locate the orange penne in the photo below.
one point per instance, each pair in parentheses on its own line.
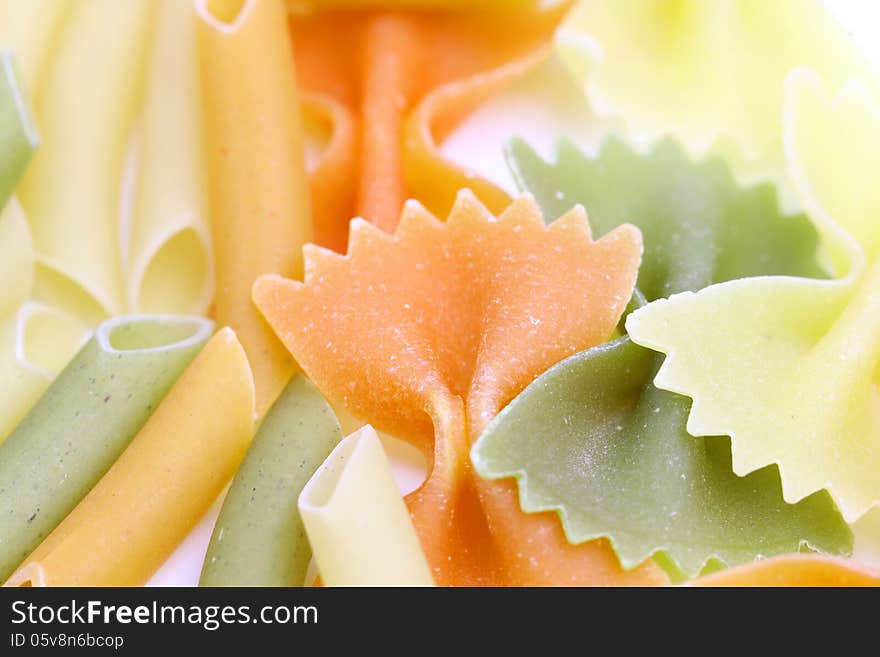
(258,188)
(392,83)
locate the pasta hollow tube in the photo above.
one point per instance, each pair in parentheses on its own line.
(259,539)
(85,420)
(258,187)
(29,29)
(18,133)
(169,264)
(184,455)
(71,191)
(356,520)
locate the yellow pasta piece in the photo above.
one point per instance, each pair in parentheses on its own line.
(183,457)
(258,186)
(36,341)
(71,192)
(360,530)
(169,268)
(29,28)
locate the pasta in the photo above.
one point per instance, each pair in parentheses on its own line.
(258,189)
(30,29)
(85,420)
(185,453)
(169,260)
(650,487)
(356,521)
(714,73)
(417,331)
(259,539)
(18,134)
(794,570)
(71,192)
(413,77)
(798,354)
(35,341)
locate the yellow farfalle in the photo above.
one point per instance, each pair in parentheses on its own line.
(787,366)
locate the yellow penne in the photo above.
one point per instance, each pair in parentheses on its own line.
(258,188)
(36,341)
(182,458)
(169,265)
(71,192)
(29,28)
(360,530)
(16,258)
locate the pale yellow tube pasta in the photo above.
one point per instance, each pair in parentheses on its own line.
(71,192)
(169,267)
(16,258)
(163,483)
(28,28)
(360,530)
(36,341)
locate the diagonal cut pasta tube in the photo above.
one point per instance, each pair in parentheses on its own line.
(185,454)
(18,134)
(258,191)
(29,28)
(169,268)
(357,523)
(85,420)
(259,538)
(86,112)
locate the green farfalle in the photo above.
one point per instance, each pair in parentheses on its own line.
(592,438)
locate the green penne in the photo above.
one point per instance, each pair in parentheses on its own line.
(259,538)
(18,135)
(85,420)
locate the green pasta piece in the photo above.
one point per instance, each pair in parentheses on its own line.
(85,420)
(592,438)
(18,134)
(259,539)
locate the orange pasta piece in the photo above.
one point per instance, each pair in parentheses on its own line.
(794,570)
(259,191)
(427,334)
(391,83)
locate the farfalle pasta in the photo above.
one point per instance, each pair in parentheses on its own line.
(247,247)
(429,344)
(797,353)
(391,83)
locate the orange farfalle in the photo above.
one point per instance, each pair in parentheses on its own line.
(427,334)
(391,83)
(795,570)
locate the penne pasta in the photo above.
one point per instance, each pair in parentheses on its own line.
(259,539)
(29,28)
(169,263)
(18,134)
(258,190)
(84,421)
(71,192)
(185,454)
(36,342)
(357,523)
